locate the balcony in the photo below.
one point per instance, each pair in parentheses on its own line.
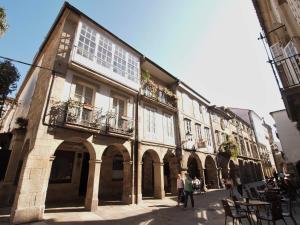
(158,94)
(289,73)
(78,115)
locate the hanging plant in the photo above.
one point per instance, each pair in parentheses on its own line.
(229,148)
(145,76)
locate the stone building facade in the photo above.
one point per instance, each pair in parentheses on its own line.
(279,20)
(105,123)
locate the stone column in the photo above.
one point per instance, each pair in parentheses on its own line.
(15,156)
(203,178)
(159,191)
(29,203)
(127,183)
(139,183)
(91,198)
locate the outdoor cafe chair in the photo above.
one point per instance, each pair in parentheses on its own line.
(274,215)
(254,193)
(236,216)
(287,203)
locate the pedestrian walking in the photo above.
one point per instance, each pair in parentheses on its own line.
(180,186)
(188,190)
(239,185)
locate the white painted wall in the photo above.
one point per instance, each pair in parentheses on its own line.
(288,134)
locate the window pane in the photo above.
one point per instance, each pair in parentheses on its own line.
(104,53)
(119,61)
(62,167)
(88,97)
(78,92)
(132,68)
(86,44)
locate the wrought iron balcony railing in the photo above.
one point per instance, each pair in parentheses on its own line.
(87,116)
(158,95)
(289,70)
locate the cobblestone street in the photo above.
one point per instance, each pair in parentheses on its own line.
(208,210)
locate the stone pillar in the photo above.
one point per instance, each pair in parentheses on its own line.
(220,177)
(173,176)
(91,198)
(127,183)
(139,182)
(29,203)
(159,191)
(204,181)
(17,144)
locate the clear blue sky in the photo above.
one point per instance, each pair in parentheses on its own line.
(210,44)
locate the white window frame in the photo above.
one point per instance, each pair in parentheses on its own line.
(169,125)
(118,117)
(150,125)
(84,41)
(187,128)
(198,128)
(123,62)
(207,136)
(84,85)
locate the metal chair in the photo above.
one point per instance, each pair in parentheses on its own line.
(238,216)
(288,213)
(274,214)
(254,193)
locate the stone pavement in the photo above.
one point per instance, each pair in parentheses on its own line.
(208,210)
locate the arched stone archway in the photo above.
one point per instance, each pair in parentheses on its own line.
(170,173)
(68,181)
(211,173)
(36,172)
(152,175)
(194,167)
(115,176)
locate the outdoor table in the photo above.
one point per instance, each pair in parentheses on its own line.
(252,203)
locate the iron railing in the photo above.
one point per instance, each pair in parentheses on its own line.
(88,116)
(158,95)
(288,70)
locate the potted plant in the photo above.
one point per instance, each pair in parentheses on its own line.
(22,123)
(88,106)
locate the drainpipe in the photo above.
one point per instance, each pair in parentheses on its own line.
(135,155)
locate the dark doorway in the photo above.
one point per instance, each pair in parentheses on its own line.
(147,176)
(4,153)
(4,158)
(84,174)
(193,169)
(167,177)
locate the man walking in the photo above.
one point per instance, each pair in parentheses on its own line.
(188,190)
